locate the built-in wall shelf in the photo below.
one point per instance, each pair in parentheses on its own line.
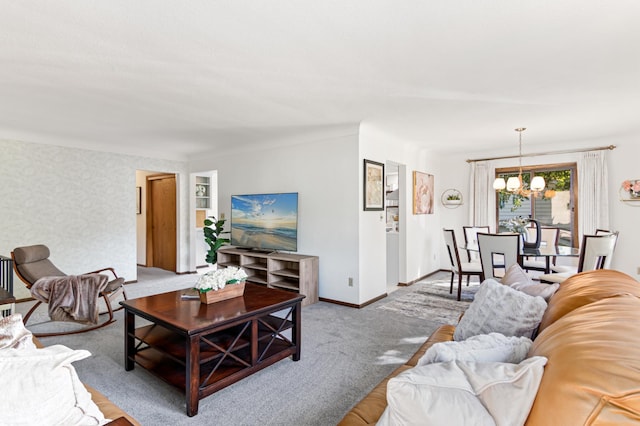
(203,192)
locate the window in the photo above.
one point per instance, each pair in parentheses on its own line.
(553,206)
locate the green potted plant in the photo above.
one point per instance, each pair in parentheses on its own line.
(454,198)
(213,231)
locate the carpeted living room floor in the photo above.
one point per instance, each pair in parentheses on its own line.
(345,353)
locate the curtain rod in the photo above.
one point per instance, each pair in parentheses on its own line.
(569,151)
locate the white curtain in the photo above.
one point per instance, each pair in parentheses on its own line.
(593,193)
(482,198)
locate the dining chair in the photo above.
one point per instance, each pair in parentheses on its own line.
(497,253)
(596,252)
(603,232)
(549,235)
(574,268)
(461,269)
(471,240)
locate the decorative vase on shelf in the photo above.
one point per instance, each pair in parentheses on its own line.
(227,292)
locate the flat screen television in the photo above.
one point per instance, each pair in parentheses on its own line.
(265,221)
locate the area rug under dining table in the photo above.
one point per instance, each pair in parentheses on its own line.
(430,299)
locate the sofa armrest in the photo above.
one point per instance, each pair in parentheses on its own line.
(371,407)
(108,408)
(120,421)
(444,333)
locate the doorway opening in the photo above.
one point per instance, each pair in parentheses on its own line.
(156,223)
(395,211)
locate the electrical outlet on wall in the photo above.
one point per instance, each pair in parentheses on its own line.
(222,215)
(350,282)
(638,271)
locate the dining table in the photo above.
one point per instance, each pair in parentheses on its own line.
(548,252)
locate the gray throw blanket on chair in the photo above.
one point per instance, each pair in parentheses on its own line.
(71,297)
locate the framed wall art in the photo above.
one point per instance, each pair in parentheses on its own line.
(422,193)
(373,185)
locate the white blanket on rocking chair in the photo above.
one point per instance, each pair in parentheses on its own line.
(71,297)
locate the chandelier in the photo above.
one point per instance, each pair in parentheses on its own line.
(514,184)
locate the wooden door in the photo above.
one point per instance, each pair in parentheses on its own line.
(161,222)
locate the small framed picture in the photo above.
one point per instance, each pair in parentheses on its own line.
(373,185)
(138,200)
(422,193)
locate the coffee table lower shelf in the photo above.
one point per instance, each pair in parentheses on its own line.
(213,376)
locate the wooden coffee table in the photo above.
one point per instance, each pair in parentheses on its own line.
(201,348)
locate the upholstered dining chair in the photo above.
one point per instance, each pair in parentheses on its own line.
(596,252)
(497,253)
(471,240)
(573,269)
(549,235)
(32,263)
(459,268)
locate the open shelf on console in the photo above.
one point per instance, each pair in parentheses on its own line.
(293,272)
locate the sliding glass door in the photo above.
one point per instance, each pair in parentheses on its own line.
(555,205)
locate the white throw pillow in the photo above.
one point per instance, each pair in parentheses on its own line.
(40,386)
(499,308)
(517,278)
(462,393)
(516,275)
(543,290)
(492,347)
(13,334)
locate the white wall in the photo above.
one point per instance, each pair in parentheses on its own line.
(80,203)
(322,167)
(419,234)
(621,164)
(141,219)
(624,217)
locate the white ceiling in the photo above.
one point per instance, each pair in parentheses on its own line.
(172,79)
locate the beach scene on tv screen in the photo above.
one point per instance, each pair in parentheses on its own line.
(265,221)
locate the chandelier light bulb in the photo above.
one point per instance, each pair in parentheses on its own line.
(513,184)
(537,183)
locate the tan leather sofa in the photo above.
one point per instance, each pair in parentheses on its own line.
(590,334)
(108,408)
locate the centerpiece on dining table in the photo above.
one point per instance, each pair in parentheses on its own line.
(221,284)
(520,225)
